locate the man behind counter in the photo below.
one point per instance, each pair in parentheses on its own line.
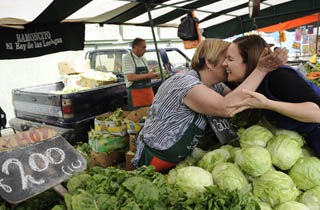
(138,76)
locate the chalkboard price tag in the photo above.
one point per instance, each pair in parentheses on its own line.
(223,129)
(32,169)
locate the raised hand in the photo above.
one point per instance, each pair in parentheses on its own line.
(270,61)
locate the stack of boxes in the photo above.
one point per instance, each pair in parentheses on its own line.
(134,123)
(109,140)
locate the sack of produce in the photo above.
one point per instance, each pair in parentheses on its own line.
(93,79)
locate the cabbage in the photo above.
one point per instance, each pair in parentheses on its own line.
(284,151)
(275,187)
(211,159)
(240,131)
(192,179)
(254,160)
(306,173)
(227,147)
(264,206)
(255,135)
(307,152)
(311,198)
(293,134)
(231,150)
(229,177)
(172,176)
(292,205)
(197,153)
(188,161)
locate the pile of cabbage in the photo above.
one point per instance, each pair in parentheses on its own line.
(274,165)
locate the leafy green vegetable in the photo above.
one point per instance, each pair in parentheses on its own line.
(292,134)
(284,151)
(78,182)
(311,198)
(232,150)
(275,187)
(292,205)
(307,152)
(116,116)
(57,207)
(264,206)
(211,159)
(254,160)
(255,135)
(193,180)
(198,153)
(228,176)
(306,173)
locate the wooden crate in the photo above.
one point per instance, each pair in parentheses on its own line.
(105,160)
(129,166)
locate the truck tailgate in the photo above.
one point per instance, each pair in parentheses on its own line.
(41,104)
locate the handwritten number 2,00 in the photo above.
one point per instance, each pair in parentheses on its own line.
(47,159)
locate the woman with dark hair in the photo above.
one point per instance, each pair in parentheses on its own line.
(289,101)
(177,117)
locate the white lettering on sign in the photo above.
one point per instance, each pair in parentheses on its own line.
(33,164)
(70,169)
(76,167)
(221,124)
(33,36)
(5,187)
(59,151)
(26,41)
(52,155)
(24,178)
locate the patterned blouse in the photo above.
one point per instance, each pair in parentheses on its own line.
(168,117)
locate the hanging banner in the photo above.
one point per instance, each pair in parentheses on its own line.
(298,35)
(310,29)
(305,39)
(37,40)
(296,45)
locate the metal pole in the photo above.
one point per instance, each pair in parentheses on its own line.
(154,39)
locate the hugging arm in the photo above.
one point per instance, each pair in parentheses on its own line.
(298,100)
(302,111)
(206,101)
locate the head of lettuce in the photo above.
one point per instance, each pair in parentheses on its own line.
(255,135)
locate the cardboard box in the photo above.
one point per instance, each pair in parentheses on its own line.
(105,160)
(102,126)
(107,142)
(133,127)
(129,156)
(73,67)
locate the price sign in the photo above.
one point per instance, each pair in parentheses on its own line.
(222,128)
(32,169)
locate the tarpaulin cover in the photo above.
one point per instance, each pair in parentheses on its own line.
(291,24)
